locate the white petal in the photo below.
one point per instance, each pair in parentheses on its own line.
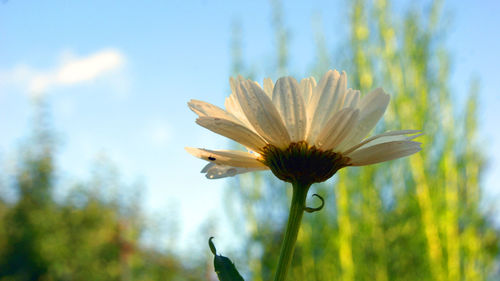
(339,95)
(233,107)
(227,157)
(206,109)
(234,131)
(327,99)
(371,109)
(383,152)
(207,167)
(351,98)
(290,104)
(306,87)
(214,171)
(262,114)
(319,92)
(234,82)
(232,104)
(268,87)
(370,140)
(384,137)
(337,128)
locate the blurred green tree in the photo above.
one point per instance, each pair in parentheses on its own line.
(90,233)
(411,219)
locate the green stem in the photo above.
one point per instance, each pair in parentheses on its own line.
(292,229)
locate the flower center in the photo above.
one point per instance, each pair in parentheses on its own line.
(303,163)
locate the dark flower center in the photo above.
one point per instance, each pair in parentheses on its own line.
(301,163)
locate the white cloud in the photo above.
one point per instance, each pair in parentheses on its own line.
(19,75)
(71,70)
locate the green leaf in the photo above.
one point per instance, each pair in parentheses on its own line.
(224,267)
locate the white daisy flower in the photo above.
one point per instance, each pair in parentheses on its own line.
(301,132)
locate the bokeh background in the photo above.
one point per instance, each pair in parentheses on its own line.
(95,183)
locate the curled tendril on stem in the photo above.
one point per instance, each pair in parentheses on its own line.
(212,246)
(312,210)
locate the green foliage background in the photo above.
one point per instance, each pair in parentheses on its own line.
(93,233)
(412,219)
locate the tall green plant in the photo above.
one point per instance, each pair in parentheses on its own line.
(414,219)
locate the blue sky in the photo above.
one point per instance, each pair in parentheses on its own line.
(138,63)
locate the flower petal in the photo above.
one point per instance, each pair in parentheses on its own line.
(234,131)
(268,87)
(371,109)
(227,157)
(262,114)
(327,99)
(385,137)
(383,152)
(290,103)
(209,110)
(306,87)
(215,171)
(351,98)
(233,107)
(337,128)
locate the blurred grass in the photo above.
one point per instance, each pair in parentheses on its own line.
(412,219)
